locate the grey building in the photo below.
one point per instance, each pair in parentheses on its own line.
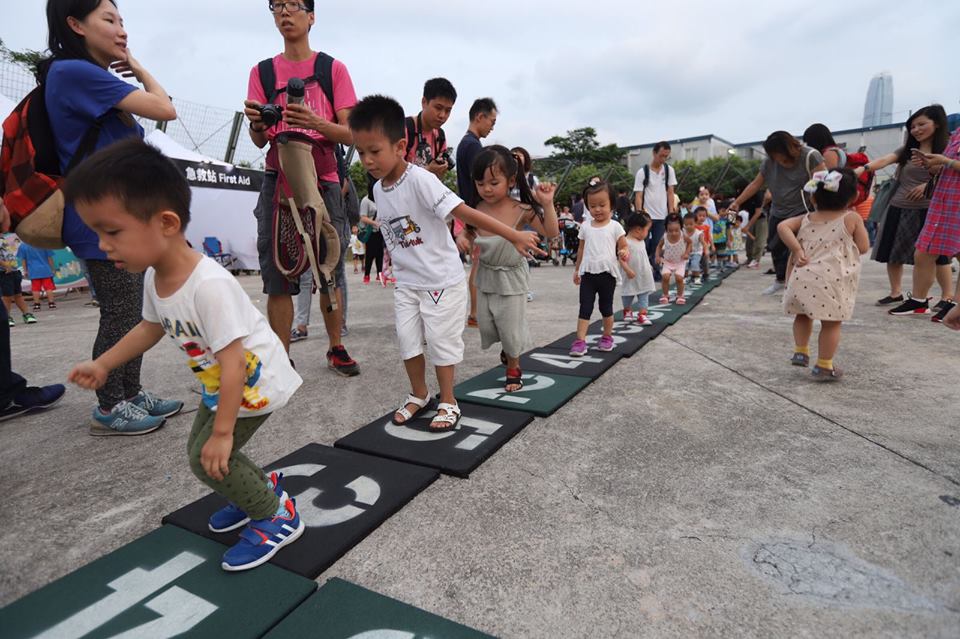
(878,109)
(697,149)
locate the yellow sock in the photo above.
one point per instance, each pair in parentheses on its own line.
(803,350)
(826,364)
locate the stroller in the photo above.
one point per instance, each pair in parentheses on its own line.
(570,232)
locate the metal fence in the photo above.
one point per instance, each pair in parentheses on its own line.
(214,132)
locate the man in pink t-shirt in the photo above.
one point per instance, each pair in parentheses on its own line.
(325,122)
(428,145)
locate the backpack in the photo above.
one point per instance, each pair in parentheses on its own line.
(854,161)
(30,167)
(646,173)
(646,179)
(322,75)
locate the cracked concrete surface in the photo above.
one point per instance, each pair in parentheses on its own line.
(625,514)
(832,574)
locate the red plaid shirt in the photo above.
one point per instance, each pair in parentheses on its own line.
(941,233)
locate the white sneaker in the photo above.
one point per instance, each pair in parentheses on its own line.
(773,289)
(697,280)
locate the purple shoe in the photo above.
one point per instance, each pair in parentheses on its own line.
(606,344)
(579,348)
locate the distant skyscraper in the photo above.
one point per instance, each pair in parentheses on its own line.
(879,106)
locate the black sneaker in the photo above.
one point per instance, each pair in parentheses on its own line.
(889,300)
(911,307)
(32,399)
(945,307)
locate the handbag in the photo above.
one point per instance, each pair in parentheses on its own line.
(881,201)
(365,233)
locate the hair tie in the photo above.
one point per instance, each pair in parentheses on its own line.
(829,180)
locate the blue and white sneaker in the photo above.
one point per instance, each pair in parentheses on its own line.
(262,538)
(231,517)
(126,418)
(156,406)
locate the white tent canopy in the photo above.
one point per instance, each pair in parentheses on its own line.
(216,212)
(175,150)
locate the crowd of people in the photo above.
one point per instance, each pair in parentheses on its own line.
(127,208)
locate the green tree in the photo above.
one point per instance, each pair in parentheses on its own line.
(723,179)
(359,176)
(28,59)
(582,147)
(581,153)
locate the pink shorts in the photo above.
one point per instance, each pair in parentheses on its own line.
(678,268)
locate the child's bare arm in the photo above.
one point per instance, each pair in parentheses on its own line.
(689,249)
(548,226)
(215,454)
(576,267)
(623,251)
(93,374)
(525,241)
(788,233)
(658,254)
(859,231)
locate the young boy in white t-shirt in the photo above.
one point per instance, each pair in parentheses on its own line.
(414,208)
(139,204)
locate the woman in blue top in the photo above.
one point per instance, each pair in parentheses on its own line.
(87,40)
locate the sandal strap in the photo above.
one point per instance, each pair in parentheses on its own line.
(452,413)
(416,401)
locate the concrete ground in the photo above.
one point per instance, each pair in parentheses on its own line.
(702,488)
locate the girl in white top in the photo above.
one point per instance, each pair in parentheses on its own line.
(636,271)
(602,245)
(673,251)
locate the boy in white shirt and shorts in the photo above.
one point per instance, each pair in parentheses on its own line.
(430,301)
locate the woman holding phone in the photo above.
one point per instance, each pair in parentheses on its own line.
(940,236)
(905,217)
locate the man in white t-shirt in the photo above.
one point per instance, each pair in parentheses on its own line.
(430,301)
(654,193)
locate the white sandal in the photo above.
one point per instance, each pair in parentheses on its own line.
(449,421)
(406,414)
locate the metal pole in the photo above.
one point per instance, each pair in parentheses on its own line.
(234,138)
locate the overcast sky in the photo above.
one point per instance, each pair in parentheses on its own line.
(635,71)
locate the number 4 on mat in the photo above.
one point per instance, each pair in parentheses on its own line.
(539,383)
(564,361)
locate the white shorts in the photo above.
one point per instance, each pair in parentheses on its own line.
(435,316)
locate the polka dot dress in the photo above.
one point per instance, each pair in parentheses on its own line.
(826,288)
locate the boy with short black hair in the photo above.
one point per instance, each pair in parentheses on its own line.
(139,205)
(430,300)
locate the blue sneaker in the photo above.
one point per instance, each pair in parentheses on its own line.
(126,418)
(262,538)
(31,399)
(155,406)
(231,517)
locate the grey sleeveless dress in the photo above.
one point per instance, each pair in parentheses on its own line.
(502,285)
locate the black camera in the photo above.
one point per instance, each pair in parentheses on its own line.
(271,114)
(447,157)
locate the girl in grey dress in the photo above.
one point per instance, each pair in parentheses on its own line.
(502,273)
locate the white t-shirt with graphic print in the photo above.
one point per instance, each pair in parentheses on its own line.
(207,314)
(413,215)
